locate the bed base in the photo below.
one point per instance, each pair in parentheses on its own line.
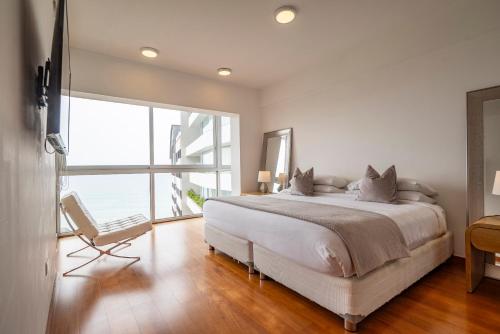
(237,248)
(350,321)
(354,298)
(351,298)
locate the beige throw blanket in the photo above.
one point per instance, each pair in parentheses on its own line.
(372,239)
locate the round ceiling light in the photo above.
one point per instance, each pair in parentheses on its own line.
(285,14)
(149,52)
(224,71)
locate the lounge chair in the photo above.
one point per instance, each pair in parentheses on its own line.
(117,232)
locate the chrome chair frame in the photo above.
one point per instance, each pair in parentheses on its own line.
(90,244)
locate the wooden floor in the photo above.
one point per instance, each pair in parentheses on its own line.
(180,287)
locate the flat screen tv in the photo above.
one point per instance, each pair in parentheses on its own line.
(54,135)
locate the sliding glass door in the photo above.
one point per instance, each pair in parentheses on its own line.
(162,162)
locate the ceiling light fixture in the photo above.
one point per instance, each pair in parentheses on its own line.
(224,71)
(285,14)
(149,52)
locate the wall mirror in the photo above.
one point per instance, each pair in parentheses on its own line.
(276,152)
(483,154)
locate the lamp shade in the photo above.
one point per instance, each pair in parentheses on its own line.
(496,184)
(283,178)
(264,176)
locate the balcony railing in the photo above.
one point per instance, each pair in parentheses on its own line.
(201,144)
(192,118)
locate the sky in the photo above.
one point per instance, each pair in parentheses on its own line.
(110,133)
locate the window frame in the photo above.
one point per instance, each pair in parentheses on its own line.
(151,169)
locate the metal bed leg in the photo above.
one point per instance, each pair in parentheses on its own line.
(351,322)
(351,326)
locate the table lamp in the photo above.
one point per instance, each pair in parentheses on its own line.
(496,184)
(264,178)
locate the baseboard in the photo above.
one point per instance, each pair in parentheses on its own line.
(50,317)
(492,271)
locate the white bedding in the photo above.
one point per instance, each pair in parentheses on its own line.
(315,246)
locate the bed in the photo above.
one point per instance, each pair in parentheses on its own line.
(314,261)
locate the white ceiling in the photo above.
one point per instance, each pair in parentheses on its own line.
(199,36)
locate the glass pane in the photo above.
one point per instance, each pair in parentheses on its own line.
(226,140)
(225,183)
(107,133)
(109,197)
(182,194)
(226,156)
(225,130)
(183,138)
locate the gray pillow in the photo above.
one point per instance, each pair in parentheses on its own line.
(378,188)
(302,183)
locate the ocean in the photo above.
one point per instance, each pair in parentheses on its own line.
(109,197)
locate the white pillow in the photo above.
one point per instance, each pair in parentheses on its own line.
(414,185)
(403,185)
(324,188)
(354,185)
(330,180)
(352,192)
(414,196)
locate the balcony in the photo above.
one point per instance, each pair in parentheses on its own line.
(203,180)
(193,117)
(201,144)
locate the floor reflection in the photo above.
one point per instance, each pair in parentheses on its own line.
(181,287)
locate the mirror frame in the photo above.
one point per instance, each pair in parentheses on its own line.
(475,150)
(278,133)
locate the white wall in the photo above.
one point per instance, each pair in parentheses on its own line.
(27,173)
(376,108)
(104,75)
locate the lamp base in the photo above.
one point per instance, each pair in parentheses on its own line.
(263,188)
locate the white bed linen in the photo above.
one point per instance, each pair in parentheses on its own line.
(313,245)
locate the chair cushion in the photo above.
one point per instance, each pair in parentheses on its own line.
(79,214)
(121,229)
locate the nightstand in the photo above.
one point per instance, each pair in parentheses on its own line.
(480,238)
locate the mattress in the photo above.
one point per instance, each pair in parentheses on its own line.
(315,246)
